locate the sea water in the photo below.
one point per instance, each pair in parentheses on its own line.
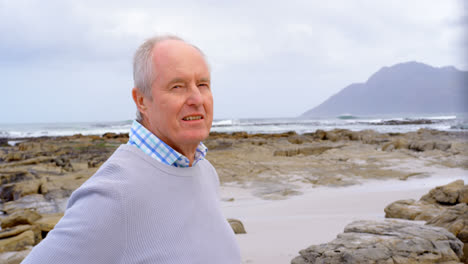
(444,122)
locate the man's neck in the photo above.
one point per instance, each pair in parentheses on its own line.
(188,151)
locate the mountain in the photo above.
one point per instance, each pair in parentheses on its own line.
(405,88)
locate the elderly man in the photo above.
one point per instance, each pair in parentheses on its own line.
(156,199)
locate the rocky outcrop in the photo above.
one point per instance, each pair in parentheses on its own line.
(19,242)
(4,142)
(444,206)
(430,205)
(306,151)
(413,210)
(236,226)
(14,257)
(20,217)
(36,202)
(455,220)
(389,241)
(450,194)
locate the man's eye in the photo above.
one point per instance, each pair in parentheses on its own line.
(176,86)
(203,85)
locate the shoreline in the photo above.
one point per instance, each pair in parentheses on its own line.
(278,229)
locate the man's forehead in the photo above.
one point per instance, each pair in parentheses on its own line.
(172,50)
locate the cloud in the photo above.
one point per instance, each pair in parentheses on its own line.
(264,54)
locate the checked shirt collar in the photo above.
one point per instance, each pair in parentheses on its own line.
(143,139)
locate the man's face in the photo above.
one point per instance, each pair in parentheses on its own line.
(181,110)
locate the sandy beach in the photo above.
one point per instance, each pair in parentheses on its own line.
(278,229)
(289,190)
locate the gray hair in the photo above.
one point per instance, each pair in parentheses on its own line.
(143,67)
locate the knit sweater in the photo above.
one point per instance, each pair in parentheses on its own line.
(138,210)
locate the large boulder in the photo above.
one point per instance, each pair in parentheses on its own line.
(48,222)
(450,194)
(36,202)
(455,220)
(13,191)
(19,242)
(14,257)
(431,204)
(389,241)
(20,217)
(13,231)
(413,210)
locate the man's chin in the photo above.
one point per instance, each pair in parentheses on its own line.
(195,138)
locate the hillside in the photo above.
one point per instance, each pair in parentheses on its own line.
(410,87)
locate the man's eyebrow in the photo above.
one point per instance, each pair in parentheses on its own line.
(176,80)
(205,80)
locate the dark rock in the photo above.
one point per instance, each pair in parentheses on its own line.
(4,142)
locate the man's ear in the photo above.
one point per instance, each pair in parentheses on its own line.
(138,98)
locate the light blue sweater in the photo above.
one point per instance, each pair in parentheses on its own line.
(138,210)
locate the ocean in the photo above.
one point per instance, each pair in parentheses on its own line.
(383,124)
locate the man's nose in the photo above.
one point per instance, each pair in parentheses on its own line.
(195,96)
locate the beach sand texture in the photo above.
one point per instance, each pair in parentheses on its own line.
(290,191)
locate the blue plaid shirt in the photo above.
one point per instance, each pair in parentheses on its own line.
(143,139)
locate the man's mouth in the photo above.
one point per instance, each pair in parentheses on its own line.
(190,118)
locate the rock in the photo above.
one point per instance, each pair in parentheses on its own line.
(237,226)
(4,142)
(404,122)
(298,139)
(14,191)
(96,162)
(32,161)
(13,231)
(412,210)
(64,163)
(54,188)
(37,202)
(110,135)
(449,194)
(400,143)
(455,220)
(421,145)
(315,150)
(332,136)
(14,257)
(19,242)
(389,241)
(20,217)
(372,137)
(444,146)
(237,135)
(320,134)
(48,222)
(32,146)
(14,156)
(9,176)
(218,144)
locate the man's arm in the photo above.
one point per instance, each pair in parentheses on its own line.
(92,230)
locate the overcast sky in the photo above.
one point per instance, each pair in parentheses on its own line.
(70,61)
